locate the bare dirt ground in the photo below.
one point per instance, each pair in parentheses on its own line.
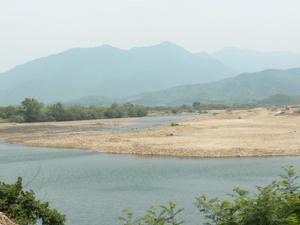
(241,133)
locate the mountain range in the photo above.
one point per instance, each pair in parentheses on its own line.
(244,88)
(248,60)
(166,73)
(108,71)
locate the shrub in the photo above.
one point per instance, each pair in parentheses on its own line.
(162,215)
(275,204)
(16,119)
(23,208)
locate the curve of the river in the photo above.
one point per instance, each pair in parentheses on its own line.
(92,188)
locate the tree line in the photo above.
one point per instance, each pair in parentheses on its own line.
(31,110)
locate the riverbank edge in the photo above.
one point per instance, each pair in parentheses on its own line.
(149,151)
(149,156)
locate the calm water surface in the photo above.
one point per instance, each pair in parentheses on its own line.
(92,188)
(152,121)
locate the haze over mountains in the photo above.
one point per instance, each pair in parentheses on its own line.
(108,71)
(106,74)
(248,60)
(244,88)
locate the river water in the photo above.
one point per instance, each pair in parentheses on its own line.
(151,121)
(92,188)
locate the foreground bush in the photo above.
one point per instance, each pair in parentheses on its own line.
(23,208)
(274,204)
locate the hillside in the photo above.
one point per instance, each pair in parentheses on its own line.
(280,99)
(248,60)
(95,101)
(108,71)
(244,88)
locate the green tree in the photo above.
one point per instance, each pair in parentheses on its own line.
(196,105)
(275,204)
(32,110)
(9,111)
(58,112)
(23,208)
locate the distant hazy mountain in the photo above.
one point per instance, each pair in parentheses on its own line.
(247,60)
(244,88)
(95,101)
(108,71)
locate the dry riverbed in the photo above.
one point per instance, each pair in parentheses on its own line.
(240,133)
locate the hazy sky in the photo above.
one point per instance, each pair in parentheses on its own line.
(34,28)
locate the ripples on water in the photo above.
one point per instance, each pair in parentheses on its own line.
(92,188)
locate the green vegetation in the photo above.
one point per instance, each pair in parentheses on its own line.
(32,110)
(280,100)
(23,208)
(162,215)
(244,88)
(198,107)
(274,204)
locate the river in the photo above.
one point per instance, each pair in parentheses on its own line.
(92,188)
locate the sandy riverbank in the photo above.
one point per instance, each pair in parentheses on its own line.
(226,134)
